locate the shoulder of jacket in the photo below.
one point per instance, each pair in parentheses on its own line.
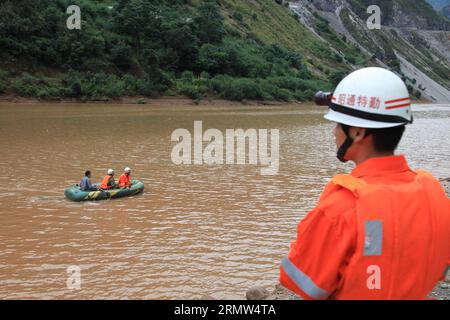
(422,174)
(432,182)
(336,199)
(342,181)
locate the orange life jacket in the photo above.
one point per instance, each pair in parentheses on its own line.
(403,242)
(124,181)
(106,185)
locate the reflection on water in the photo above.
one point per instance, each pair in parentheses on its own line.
(196,230)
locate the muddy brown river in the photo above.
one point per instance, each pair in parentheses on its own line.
(198,229)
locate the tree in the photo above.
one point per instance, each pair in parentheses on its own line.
(121,55)
(209,23)
(182,45)
(212,59)
(137,19)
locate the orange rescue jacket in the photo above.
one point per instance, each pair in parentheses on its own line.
(106,183)
(124,181)
(401,249)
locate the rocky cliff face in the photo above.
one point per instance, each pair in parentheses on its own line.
(414,40)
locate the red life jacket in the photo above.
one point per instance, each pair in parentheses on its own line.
(403,244)
(124,181)
(105,185)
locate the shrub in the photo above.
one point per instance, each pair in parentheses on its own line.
(147,87)
(289,83)
(3,86)
(122,56)
(243,88)
(283,94)
(337,76)
(103,85)
(351,59)
(337,58)
(220,83)
(417,94)
(304,95)
(3,81)
(238,16)
(205,75)
(30,86)
(191,92)
(187,76)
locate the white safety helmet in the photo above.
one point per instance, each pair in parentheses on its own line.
(372,98)
(127,170)
(110,171)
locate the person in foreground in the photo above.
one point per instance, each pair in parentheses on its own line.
(85,184)
(124,179)
(383,231)
(108,181)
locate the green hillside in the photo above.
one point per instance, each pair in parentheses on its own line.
(233,49)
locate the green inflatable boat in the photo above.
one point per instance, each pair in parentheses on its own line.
(75,194)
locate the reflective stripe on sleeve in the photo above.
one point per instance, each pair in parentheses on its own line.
(373,242)
(303,281)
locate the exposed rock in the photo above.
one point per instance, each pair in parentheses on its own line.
(446,184)
(329,6)
(257,293)
(140,101)
(440,292)
(278,293)
(432,90)
(281,293)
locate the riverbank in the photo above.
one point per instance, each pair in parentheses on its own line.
(161,101)
(278,292)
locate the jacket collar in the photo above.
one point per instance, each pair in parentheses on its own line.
(381,166)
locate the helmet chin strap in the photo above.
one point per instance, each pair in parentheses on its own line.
(346,145)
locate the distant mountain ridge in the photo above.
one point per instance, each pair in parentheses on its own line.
(446,11)
(439,4)
(442,6)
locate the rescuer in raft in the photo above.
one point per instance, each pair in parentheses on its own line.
(124,179)
(108,181)
(383,231)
